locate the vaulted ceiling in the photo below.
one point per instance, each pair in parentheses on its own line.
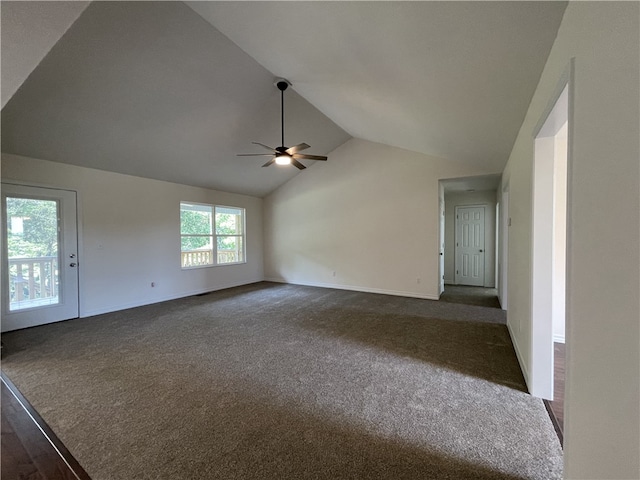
(173,90)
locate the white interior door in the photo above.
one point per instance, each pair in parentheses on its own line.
(470,246)
(39,256)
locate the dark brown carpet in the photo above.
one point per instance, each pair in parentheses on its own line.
(272,381)
(466,295)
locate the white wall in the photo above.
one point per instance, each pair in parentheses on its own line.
(130,235)
(602,406)
(458,199)
(369,214)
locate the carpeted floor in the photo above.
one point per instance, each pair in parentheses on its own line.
(272,381)
(480,296)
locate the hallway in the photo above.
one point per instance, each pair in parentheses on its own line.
(479,296)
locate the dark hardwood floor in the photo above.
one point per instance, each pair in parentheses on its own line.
(556,407)
(30,449)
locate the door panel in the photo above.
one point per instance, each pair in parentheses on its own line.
(39,256)
(470,246)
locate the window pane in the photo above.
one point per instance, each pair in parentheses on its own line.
(195,219)
(229,221)
(32,246)
(230,210)
(230,249)
(196,243)
(196,251)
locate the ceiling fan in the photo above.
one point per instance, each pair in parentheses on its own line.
(284,155)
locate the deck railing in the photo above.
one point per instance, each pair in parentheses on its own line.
(32,281)
(196,258)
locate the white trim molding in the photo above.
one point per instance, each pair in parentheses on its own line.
(356,288)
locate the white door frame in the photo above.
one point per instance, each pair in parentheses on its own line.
(484,240)
(505,221)
(542,258)
(441,245)
(68,304)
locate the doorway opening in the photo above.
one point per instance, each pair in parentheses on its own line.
(549,240)
(473,200)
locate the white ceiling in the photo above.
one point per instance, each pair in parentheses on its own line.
(450,79)
(152,89)
(478,183)
(29,30)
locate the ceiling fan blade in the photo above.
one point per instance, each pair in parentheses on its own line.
(269,162)
(263,145)
(309,157)
(254,154)
(297,164)
(297,148)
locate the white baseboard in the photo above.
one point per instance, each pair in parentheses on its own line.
(356,288)
(151,301)
(558,338)
(523,365)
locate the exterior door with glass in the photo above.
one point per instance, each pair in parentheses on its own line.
(39,256)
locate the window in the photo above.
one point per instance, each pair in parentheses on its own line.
(229,234)
(211,235)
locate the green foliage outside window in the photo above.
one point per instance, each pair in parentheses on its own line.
(37,235)
(228,227)
(201,225)
(195,223)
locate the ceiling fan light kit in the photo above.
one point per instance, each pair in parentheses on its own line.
(283,159)
(284,155)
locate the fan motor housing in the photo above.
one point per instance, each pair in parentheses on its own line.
(282,84)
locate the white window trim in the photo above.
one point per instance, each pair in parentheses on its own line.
(214,236)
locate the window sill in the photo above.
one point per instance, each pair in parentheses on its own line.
(196,267)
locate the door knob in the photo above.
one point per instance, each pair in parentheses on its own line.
(480,250)
(72,264)
(73,255)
